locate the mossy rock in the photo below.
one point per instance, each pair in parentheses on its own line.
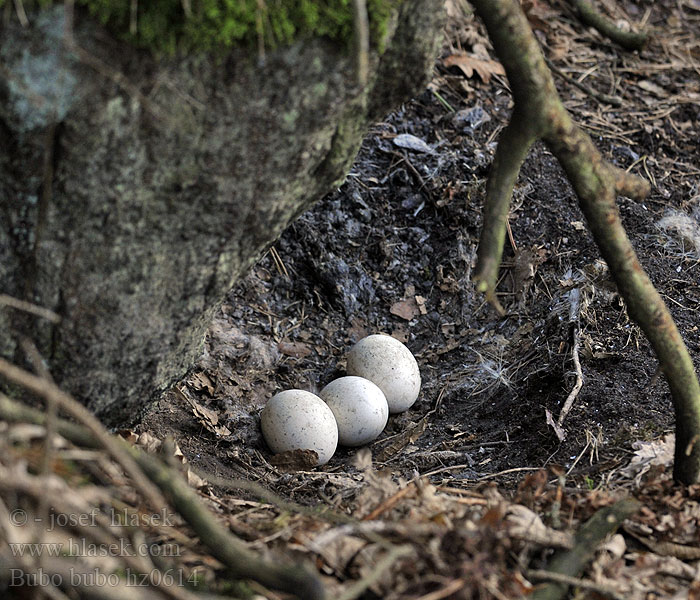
(170,176)
(169,26)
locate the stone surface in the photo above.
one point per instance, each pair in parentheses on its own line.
(135,191)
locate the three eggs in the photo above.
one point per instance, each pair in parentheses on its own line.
(383,378)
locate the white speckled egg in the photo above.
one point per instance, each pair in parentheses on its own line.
(299,420)
(387,363)
(360,409)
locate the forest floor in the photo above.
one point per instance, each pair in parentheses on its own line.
(473,481)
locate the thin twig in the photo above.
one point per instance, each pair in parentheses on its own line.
(361,41)
(30,308)
(47,389)
(260,30)
(579,378)
(357,589)
(454,586)
(49,452)
(586,89)
(388,504)
(589,536)
(21,14)
(542,575)
(228,549)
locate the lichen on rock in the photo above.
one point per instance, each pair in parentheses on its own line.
(169,175)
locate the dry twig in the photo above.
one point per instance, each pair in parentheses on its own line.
(539,113)
(541,575)
(592,533)
(568,403)
(30,308)
(47,389)
(228,549)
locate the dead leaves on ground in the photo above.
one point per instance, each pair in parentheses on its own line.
(483,67)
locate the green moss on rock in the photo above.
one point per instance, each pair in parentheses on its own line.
(164,25)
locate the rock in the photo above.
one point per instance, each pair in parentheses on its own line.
(137,190)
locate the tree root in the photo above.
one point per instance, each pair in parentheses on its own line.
(592,533)
(629,40)
(539,113)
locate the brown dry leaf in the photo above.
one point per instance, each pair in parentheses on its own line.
(409,436)
(447,283)
(449,346)
(537,15)
(526,263)
(694,589)
(295,460)
(149,442)
(525,524)
(358,329)
(129,435)
(204,413)
(650,454)
(484,68)
(200,381)
(420,301)
(406,309)
(195,480)
(400,333)
(448,329)
(209,418)
(337,550)
(294,349)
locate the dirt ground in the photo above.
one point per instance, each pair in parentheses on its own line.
(392,251)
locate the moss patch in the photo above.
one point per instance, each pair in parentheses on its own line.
(166,26)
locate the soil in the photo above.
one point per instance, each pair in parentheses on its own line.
(405,227)
(393,250)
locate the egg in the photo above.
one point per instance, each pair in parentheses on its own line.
(299,420)
(360,409)
(390,365)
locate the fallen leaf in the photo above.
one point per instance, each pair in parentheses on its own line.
(484,68)
(358,329)
(295,460)
(411,142)
(400,333)
(420,302)
(524,524)
(204,413)
(526,263)
(149,442)
(200,381)
(406,309)
(561,434)
(650,454)
(294,349)
(209,418)
(447,283)
(195,480)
